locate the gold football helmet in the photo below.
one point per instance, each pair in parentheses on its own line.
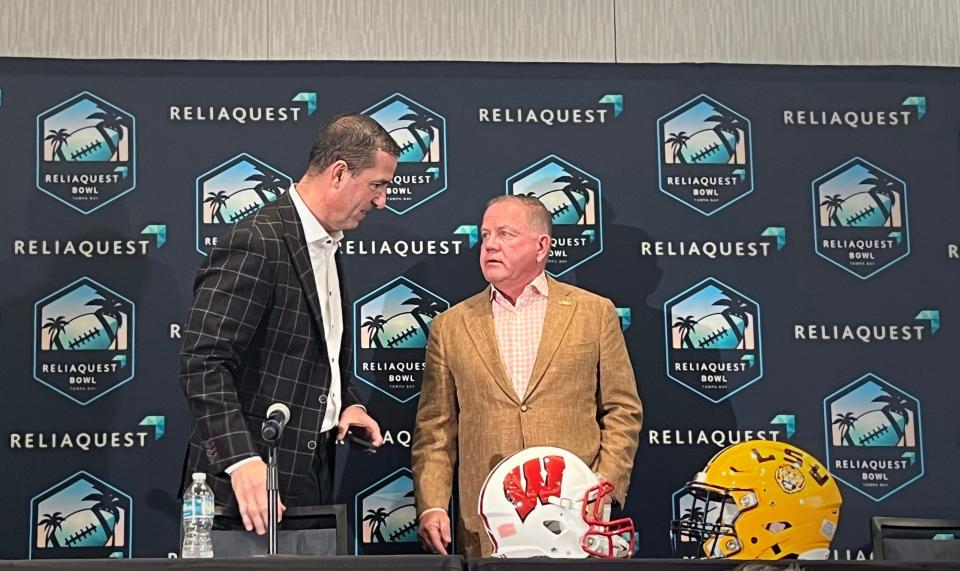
(758,499)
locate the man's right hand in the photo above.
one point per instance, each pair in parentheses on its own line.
(249,483)
(434,531)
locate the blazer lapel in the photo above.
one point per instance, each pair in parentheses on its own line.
(293,236)
(479,326)
(560,307)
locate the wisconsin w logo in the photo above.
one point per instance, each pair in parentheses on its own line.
(525,497)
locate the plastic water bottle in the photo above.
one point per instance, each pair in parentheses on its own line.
(197,519)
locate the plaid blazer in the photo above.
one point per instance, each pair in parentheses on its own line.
(253,337)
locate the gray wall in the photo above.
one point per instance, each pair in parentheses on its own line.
(908,32)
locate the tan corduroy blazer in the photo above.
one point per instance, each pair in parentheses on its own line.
(582,396)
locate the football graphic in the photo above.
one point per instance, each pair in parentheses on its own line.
(402,331)
(83,528)
(241,204)
(565,207)
(411,150)
(88,144)
(400,525)
(709,146)
(876,428)
(88,333)
(864,210)
(716,331)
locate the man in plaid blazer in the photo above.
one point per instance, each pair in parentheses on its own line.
(267,325)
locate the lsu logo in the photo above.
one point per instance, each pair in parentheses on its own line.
(874,436)
(860,218)
(572,196)
(713,340)
(386,516)
(232,191)
(706,157)
(83,340)
(422,165)
(86,152)
(79,518)
(391,326)
(525,497)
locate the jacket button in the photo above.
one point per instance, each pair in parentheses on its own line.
(323,399)
(524,408)
(312,445)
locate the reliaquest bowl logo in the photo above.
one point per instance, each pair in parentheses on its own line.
(86,152)
(83,340)
(422,165)
(860,218)
(79,518)
(232,191)
(391,326)
(386,516)
(572,196)
(713,340)
(706,156)
(874,437)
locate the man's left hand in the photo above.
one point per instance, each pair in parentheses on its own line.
(356,420)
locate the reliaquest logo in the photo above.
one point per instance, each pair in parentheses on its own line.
(713,340)
(303,104)
(860,218)
(81,517)
(391,325)
(232,191)
(706,155)
(874,437)
(572,196)
(83,340)
(926,323)
(911,109)
(607,107)
(86,152)
(422,165)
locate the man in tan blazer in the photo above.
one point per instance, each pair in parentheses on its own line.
(529,361)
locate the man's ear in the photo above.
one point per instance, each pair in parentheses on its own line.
(543,247)
(338,173)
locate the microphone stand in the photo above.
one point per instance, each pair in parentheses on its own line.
(273,496)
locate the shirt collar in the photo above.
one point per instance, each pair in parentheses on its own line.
(313,231)
(538,285)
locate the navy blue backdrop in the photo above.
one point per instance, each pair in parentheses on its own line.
(779,242)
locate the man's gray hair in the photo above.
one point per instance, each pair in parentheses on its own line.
(538,217)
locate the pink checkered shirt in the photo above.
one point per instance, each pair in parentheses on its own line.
(518,329)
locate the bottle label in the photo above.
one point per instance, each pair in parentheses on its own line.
(199,506)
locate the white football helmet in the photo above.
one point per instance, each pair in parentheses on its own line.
(545,502)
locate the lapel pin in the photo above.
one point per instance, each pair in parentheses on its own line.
(564,302)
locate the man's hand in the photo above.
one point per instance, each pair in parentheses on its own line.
(354,418)
(434,531)
(249,483)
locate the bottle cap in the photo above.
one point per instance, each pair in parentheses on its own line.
(199,477)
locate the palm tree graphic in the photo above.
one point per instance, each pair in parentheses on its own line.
(57,138)
(734,306)
(833,203)
(268,182)
(108,306)
(895,404)
(685,327)
(574,185)
(420,124)
(109,120)
(726,122)
(882,185)
(55,326)
(374,326)
(105,502)
(217,199)
(845,421)
(51,523)
(678,142)
(423,307)
(377,518)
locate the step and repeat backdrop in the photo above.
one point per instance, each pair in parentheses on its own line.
(781,244)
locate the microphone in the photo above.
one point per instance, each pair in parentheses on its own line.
(277,416)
